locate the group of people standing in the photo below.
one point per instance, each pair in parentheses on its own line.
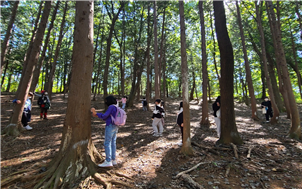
(43,102)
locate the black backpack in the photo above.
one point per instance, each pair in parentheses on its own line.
(145,103)
(40,100)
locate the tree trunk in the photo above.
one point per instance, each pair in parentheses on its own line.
(186,147)
(136,69)
(5,42)
(193,87)
(54,64)
(205,111)
(295,130)
(276,90)
(162,50)
(164,77)
(76,155)
(9,80)
(299,15)
(268,81)
(214,48)
(15,126)
(28,52)
(113,18)
(229,133)
(249,79)
(40,63)
(156,67)
(4,73)
(296,63)
(148,92)
(282,87)
(47,65)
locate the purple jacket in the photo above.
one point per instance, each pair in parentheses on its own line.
(106,116)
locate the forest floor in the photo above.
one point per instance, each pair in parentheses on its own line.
(153,162)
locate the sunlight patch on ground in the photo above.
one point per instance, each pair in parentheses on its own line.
(264,141)
(210,139)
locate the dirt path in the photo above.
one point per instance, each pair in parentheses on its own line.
(153,161)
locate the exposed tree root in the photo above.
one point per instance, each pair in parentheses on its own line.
(190,181)
(235,150)
(13,130)
(108,182)
(189,170)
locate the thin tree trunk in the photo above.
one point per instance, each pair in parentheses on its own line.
(4,73)
(249,79)
(156,66)
(9,80)
(148,92)
(229,133)
(205,111)
(164,77)
(5,42)
(282,86)
(295,130)
(186,147)
(113,18)
(162,50)
(14,127)
(299,15)
(296,63)
(47,65)
(193,87)
(54,64)
(268,81)
(41,60)
(214,48)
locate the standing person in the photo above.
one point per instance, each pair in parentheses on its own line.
(180,121)
(26,115)
(144,103)
(267,105)
(44,103)
(110,131)
(124,100)
(157,119)
(217,115)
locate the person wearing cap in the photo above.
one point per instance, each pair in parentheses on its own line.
(157,119)
(44,103)
(26,115)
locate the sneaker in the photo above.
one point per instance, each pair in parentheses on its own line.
(155,134)
(179,143)
(27,127)
(114,162)
(160,134)
(267,121)
(106,164)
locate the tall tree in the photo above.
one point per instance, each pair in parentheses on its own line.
(113,17)
(14,127)
(186,147)
(148,91)
(268,81)
(41,60)
(205,110)
(247,67)
(214,48)
(295,130)
(77,152)
(55,59)
(8,33)
(156,67)
(162,50)
(229,133)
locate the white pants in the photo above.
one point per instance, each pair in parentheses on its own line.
(157,122)
(218,124)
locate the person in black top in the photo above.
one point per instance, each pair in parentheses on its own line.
(157,119)
(268,107)
(216,108)
(144,103)
(180,121)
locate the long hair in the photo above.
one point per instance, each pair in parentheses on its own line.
(109,100)
(180,105)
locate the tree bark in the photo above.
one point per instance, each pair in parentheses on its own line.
(113,18)
(214,49)
(186,147)
(193,87)
(5,42)
(205,110)
(299,15)
(15,126)
(54,64)
(76,155)
(249,79)
(162,50)
(40,63)
(295,130)
(156,67)
(275,117)
(229,133)
(148,92)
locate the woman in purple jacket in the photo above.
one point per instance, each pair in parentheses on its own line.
(110,131)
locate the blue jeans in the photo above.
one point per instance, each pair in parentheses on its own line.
(110,142)
(124,106)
